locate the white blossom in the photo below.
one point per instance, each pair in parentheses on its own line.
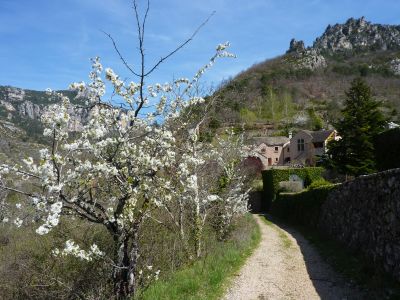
(18,222)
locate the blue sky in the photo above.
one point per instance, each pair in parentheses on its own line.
(48,43)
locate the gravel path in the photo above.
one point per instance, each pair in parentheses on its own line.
(285,266)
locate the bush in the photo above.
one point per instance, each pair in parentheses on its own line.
(302,208)
(319,183)
(29,270)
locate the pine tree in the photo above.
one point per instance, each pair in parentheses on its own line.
(361,121)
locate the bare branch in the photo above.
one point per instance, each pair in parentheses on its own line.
(145,17)
(17,191)
(181,45)
(120,55)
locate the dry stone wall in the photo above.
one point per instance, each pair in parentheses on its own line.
(364,214)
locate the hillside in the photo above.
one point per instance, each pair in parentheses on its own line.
(21,131)
(23,109)
(304,87)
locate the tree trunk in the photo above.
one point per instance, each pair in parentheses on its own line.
(182,235)
(133,258)
(126,255)
(198,235)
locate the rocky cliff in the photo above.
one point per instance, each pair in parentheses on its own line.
(24,109)
(355,34)
(359,34)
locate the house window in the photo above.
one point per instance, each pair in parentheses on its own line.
(263,150)
(288,149)
(276,159)
(276,149)
(300,145)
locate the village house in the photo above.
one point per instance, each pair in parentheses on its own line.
(306,146)
(269,150)
(303,148)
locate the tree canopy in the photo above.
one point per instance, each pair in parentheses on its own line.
(362,120)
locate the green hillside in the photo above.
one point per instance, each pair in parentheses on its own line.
(304,88)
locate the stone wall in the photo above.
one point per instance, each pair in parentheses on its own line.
(364,214)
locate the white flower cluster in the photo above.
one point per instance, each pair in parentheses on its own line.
(73,249)
(52,220)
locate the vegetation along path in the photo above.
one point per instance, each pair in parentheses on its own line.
(286,266)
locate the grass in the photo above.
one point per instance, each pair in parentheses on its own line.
(207,278)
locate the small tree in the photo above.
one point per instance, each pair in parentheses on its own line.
(113,172)
(353,152)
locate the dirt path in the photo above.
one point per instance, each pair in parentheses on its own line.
(285,266)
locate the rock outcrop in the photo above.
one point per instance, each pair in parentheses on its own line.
(305,58)
(354,35)
(359,34)
(29,110)
(296,46)
(311,59)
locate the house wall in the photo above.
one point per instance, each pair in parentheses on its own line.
(300,156)
(310,150)
(270,152)
(286,153)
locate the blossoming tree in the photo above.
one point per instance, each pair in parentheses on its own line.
(112,172)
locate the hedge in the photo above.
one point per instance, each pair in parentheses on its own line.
(301,208)
(272,177)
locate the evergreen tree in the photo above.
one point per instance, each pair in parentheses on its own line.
(361,121)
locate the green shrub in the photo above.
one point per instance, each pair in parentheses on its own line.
(301,208)
(318,183)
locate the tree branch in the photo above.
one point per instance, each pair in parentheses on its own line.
(120,55)
(181,45)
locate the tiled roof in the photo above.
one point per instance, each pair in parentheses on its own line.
(319,136)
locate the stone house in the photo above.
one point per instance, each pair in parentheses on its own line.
(305,146)
(269,150)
